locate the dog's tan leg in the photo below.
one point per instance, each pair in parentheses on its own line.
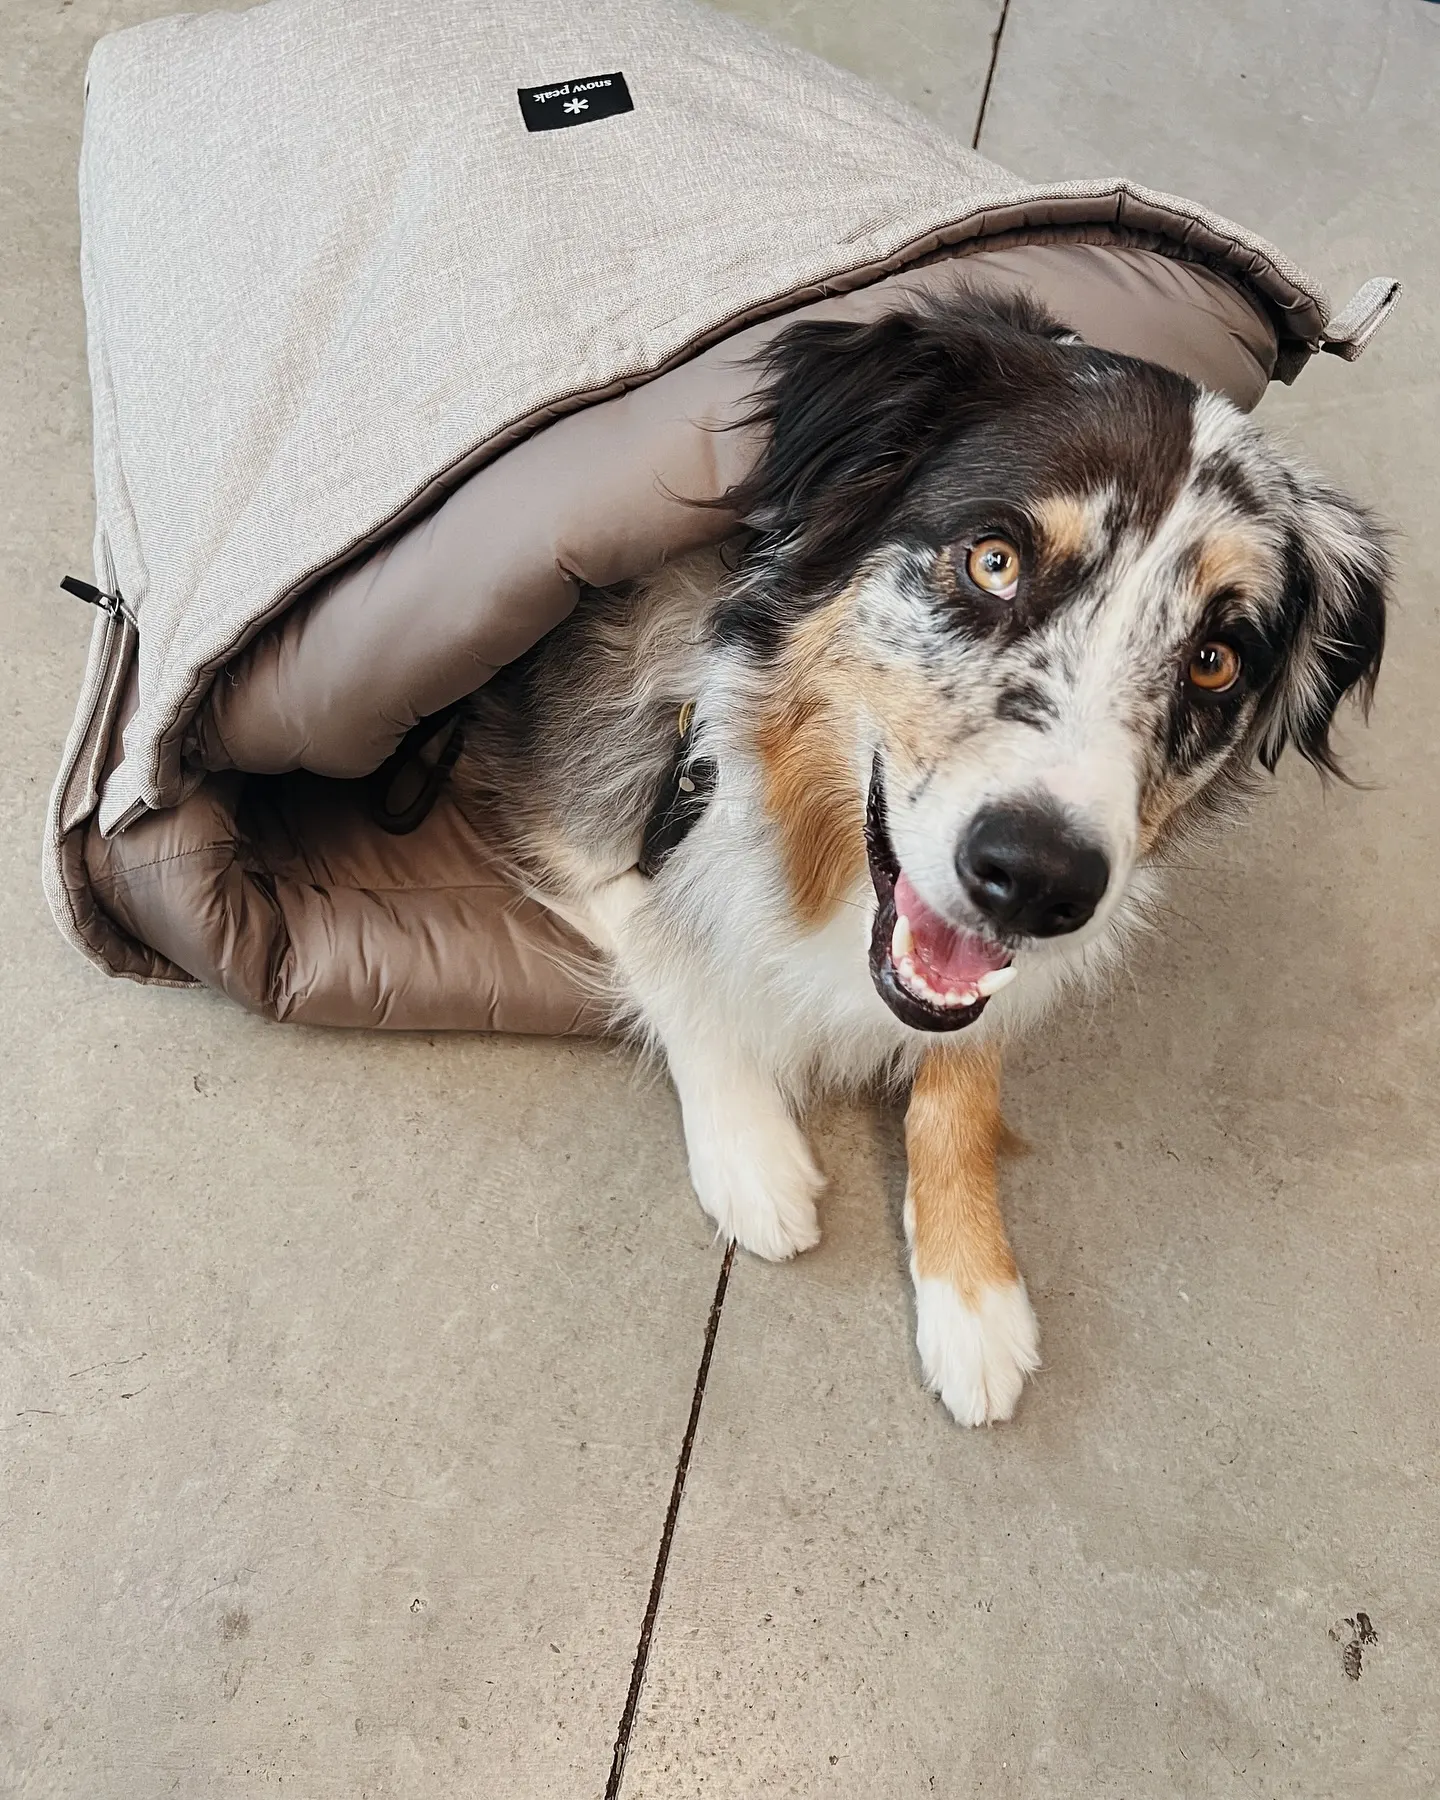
(975,1331)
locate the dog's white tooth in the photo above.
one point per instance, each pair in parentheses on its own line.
(954,999)
(902,939)
(995,980)
(969,996)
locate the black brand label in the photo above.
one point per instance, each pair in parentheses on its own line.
(574,102)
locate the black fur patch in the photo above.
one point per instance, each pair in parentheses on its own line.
(1026,703)
(1223,477)
(1332,622)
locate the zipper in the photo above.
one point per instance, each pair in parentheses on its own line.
(111,603)
(118,616)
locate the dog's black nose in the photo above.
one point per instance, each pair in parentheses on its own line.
(1028,870)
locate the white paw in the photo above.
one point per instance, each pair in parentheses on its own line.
(758,1182)
(975,1358)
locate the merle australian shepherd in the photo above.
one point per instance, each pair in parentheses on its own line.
(1010,615)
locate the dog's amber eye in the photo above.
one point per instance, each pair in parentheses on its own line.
(1215,668)
(994,566)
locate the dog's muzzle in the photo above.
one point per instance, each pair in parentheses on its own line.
(932,975)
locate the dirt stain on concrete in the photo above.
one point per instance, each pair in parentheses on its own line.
(234,1624)
(1354,1636)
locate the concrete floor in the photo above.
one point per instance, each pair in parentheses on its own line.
(344,1377)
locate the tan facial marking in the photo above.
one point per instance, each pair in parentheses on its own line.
(804,743)
(1161,800)
(1227,559)
(1065,527)
(953,1133)
(810,793)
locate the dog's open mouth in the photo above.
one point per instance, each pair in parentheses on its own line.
(930,974)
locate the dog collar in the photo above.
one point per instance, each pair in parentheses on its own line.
(683,795)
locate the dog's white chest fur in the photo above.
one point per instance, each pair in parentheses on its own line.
(714,942)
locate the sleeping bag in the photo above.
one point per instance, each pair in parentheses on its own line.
(407,319)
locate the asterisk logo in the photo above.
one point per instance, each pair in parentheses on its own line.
(576,106)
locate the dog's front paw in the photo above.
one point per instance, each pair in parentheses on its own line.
(759,1183)
(976,1357)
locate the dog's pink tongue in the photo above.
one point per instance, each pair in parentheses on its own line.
(950,960)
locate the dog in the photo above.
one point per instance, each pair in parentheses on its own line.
(858,795)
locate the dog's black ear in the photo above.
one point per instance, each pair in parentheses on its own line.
(1337,574)
(851,411)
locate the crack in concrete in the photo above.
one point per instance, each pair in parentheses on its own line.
(667,1536)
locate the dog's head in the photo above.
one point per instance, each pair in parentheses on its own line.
(1065,601)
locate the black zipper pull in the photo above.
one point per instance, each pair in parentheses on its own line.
(113,604)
